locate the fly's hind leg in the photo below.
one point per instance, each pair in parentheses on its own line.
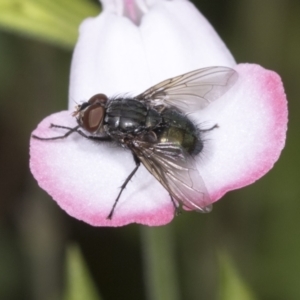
(210,129)
(137,165)
(177,208)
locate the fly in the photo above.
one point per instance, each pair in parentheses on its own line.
(155,127)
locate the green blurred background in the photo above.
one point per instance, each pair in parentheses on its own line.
(257,226)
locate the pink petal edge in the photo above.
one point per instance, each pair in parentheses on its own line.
(271,87)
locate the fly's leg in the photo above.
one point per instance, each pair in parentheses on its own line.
(91,137)
(61,126)
(137,163)
(177,209)
(70,131)
(209,129)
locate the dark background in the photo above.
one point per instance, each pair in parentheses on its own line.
(258,225)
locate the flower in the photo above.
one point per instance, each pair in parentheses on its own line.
(129,47)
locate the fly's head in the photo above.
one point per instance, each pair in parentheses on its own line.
(90,115)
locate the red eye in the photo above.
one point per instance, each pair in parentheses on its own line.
(98,98)
(92,117)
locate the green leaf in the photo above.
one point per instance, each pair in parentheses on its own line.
(79,284)
(232,286)
(53,21)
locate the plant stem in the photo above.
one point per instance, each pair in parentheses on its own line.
(160,270)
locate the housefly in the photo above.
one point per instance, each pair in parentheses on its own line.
(156,128)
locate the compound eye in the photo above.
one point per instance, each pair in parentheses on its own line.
(98,98)
(93,112)
(92,118)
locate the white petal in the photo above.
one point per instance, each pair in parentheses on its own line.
(114,56)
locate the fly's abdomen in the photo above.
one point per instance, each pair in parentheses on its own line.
(180,130)
(125,116)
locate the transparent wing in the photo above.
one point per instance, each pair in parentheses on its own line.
(174,169)
(191,91)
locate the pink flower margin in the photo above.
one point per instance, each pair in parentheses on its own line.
(84,177)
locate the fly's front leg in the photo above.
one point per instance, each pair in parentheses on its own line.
(137,163)
(70,131)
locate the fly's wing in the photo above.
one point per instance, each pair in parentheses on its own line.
(191,91)
(174,169)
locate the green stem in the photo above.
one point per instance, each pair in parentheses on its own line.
(159,263)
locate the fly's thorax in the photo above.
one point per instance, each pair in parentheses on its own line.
(129,116)
(179,129)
